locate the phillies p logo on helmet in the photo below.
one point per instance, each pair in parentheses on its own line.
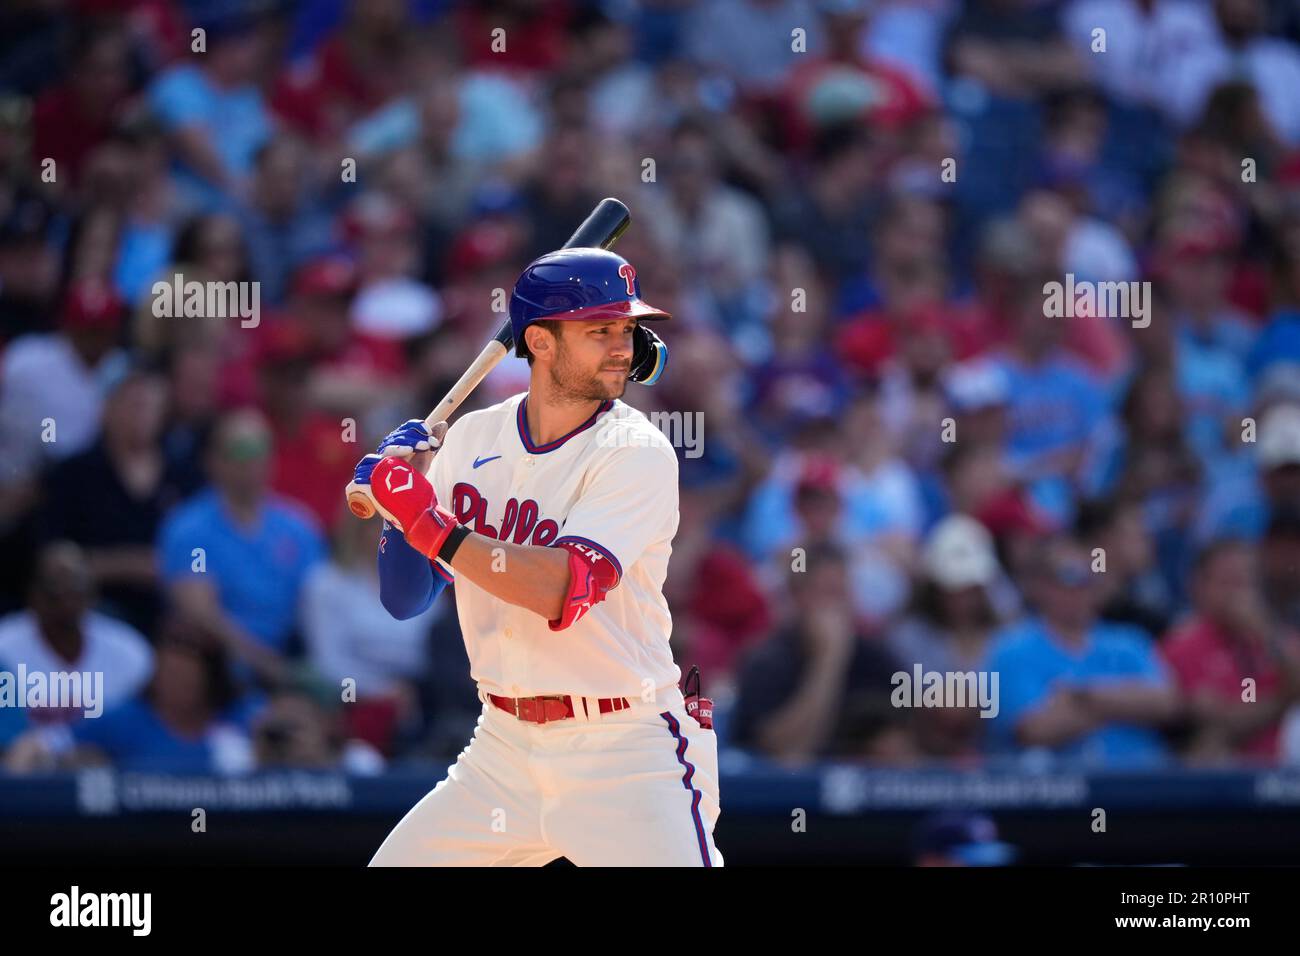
(628,272)
(578,285)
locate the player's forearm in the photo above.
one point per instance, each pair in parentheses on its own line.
(407,582)
(527,576)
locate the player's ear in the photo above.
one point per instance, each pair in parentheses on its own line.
(538,340)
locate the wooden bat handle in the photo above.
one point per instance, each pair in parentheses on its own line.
(359,502)
(487,360)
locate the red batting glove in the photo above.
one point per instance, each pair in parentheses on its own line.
(404,493)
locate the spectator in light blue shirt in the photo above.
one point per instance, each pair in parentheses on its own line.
(1278,342)
(216,116)
(494,122)
(1242,506)
(1214,390)
(1073,686)
(235,556)
(1056,407)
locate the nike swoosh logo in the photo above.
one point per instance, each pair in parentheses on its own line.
(484,461)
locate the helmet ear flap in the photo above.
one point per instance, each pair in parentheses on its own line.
(649,355)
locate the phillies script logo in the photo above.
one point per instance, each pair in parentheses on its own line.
(628,275)
(517,523)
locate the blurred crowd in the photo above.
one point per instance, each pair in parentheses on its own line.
(851,209)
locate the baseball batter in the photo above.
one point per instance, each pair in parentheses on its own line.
(553,514)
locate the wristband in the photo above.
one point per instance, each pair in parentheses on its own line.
(449,546)
(429,532)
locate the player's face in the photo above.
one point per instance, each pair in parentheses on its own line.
(592,359)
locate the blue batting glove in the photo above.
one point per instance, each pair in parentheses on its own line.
(364,467)
(410,438)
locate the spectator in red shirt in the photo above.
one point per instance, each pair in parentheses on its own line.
(913,400)
(725,607)
(362,66)
(159,29)
(910,281)
(391,305)
(351,372)
(535,34)
(311,460)
(979,482)
(842,85)
(1232,638)
(71,119)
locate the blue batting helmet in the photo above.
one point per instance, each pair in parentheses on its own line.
(581,284)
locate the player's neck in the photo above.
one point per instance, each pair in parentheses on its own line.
(550,417)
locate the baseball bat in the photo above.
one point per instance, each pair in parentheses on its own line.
(601,229)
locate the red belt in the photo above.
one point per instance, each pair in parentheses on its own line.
(541,710)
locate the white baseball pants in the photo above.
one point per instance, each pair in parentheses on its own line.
(637,787)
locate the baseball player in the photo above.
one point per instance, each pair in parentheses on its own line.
(553,514)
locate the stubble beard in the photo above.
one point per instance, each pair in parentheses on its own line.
(571,385)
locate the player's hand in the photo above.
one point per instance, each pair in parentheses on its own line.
(410,438)
(361,476)
(399,489)
(405,497)
(413,441)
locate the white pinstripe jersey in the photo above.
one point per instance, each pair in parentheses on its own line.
(610,484)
